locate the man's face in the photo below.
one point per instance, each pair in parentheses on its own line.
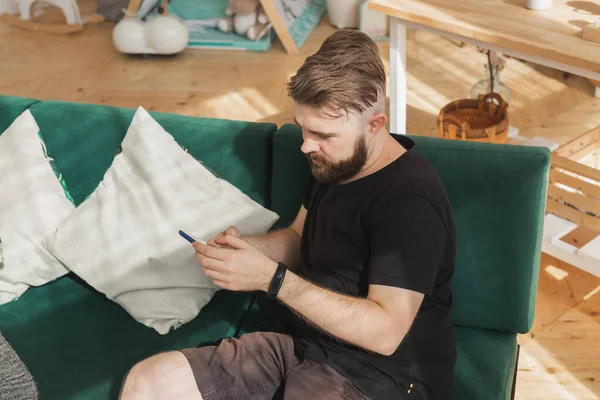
(336,148)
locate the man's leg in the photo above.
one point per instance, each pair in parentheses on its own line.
(251,367)
(318,381)
(163,376)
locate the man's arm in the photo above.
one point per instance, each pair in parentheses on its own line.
(407,246)
(282,245)
(379,322)
(405,252)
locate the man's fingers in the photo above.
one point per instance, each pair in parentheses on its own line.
(214,274)
(201,258)
(217,253)
(221,242)
(209,263)
(232,230)
(213,242)
(234,241)
(218,278)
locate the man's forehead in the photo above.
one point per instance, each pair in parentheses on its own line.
(323,116)
(316,124)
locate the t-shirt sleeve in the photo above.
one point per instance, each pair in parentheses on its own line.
(408,240)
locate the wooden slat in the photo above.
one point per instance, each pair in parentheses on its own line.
(579,143)
(584,152)
(94,18)
(279,26)
(579,237)
(587,188)
(575,167)
(575,199)
(133,7)
(573,215)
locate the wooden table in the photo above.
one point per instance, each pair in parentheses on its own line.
(551,38)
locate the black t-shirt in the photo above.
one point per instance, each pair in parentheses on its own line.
(393,227)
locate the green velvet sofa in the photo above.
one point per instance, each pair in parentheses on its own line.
(79,345)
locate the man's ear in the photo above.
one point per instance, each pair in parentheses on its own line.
(376,122)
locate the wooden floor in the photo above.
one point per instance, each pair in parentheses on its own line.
(560,358)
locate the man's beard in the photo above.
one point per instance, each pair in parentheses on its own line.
(335,172)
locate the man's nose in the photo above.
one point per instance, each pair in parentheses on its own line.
(309,146)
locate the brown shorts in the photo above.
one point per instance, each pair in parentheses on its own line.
(261,366)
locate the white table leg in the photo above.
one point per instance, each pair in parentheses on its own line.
(397,77)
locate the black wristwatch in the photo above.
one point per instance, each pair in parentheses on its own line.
(277,281)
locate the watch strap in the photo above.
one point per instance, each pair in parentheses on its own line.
(277,281)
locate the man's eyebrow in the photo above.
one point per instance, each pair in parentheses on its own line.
(322,134)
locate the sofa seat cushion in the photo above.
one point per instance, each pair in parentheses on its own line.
(77,344)
(485,365)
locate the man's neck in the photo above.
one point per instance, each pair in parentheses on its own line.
(384,151)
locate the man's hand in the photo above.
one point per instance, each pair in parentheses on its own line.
(236,265)
(217,240)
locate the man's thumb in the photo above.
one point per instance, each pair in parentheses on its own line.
(232,230)
(234,241)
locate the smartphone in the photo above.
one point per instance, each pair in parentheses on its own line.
(189,238)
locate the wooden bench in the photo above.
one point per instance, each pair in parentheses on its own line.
(572,222)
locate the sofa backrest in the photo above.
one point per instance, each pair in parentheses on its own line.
(84,139)
(11,107)
(498,197)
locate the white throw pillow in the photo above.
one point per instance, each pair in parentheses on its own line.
(124,241)
(32,205)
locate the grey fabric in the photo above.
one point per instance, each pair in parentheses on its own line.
(16,383)
(112,10)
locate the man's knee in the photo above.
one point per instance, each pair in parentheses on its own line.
(163,376)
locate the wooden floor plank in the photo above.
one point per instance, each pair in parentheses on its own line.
(563,362)
(561,287)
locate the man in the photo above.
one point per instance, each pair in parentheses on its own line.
(366,266)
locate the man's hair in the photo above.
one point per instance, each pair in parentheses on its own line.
(345,74)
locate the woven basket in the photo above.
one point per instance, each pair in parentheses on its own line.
(475,120)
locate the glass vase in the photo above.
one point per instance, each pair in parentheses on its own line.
(484,86)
